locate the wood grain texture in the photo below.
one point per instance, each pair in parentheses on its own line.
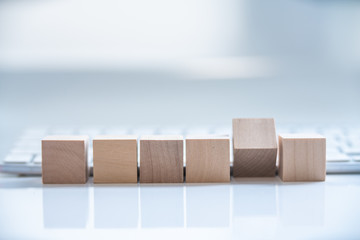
(64,159)
(207,159)
(115,159)
(302,157)
(161,159)
(254,147)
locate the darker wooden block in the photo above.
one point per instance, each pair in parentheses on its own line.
(161,159)
(207,159)
(302,157)
(64,159)
(254,147)
(115,159)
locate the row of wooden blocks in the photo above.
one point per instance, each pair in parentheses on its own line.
(301,157)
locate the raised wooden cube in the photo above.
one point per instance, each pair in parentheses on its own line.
(207,159)
(302,157)
(161,159)
(64,159)
(254,147)
(115,159)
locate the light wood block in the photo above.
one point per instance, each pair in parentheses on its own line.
(115,159)
(207,159)
(64,159)
(302,157)
(161,159)
(254,147)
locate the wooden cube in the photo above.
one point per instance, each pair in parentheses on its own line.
(254,147)
(302,157)
(161,159)
(115,159)
(207,159)
(64,159)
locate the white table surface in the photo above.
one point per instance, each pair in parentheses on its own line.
(246,208)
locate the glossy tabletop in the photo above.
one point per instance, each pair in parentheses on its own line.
(244,208)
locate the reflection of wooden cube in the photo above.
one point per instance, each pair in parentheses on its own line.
(207,159)
(255,147)
(302,157)
(161,159)
(64,159)
(115,159)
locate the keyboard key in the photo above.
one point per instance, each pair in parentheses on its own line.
(117,131)
(336,134)
(354,141)
(199,130)
(27,145)
(28,142)
(283,131)
(144,131)
(343,146)
(337,157)
(35,131)
(62,131)
(223,131)
(352,150)
(26,149)
(31,134)
(354,134)
(37,159)
(332,151)
(92,132)
(19,158)
(90,151)
(286,129)
(171,131)
(308,130)
(332,144)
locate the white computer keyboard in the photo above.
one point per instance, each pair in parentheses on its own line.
(343,144)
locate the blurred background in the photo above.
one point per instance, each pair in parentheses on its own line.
(187,62)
